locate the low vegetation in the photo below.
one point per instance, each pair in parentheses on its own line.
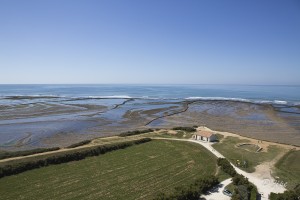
(243,158)
(174,134)
(192,191)
(8,170)
(187,129)
(8,154)
(288,169)
(78,144)
(138,172)
(136,132)
(287,195)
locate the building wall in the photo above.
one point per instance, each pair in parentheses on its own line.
(210,139)
(213,138)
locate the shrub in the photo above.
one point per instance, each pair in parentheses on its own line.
(192,192)
(226,166)
(136,132)
(287,195)
(7,154)
(187,129)
(79,144)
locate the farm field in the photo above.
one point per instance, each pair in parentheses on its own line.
(228,148)
(288,169)
(137,172)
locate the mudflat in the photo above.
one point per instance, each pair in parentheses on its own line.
(49,122)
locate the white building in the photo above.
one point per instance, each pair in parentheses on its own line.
(205,136)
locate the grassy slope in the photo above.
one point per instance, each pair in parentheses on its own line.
(288,168)
(228,149)
(138,172)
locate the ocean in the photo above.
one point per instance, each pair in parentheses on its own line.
(33,116)
(252,93)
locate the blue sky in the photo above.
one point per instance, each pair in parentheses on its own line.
(150,41)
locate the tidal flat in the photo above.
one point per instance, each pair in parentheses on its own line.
(27,123)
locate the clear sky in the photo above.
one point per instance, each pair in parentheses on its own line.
(150,41)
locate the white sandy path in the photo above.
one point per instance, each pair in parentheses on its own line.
(218,193)
(264,184)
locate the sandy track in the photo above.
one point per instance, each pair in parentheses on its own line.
(217,192)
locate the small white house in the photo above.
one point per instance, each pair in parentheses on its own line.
(205,136)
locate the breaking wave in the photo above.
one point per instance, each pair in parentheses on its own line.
(51,96)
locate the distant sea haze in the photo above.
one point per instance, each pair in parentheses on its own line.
(285,95)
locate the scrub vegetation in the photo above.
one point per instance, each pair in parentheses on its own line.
(8,154)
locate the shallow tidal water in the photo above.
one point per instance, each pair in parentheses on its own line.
(34,116)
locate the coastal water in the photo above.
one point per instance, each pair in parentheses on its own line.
(34,116)
(257,93)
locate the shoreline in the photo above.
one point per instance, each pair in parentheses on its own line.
(78,119)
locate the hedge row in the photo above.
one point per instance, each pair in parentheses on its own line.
(136,132)
(17,168)
(7,154)
(226,166)
(79,144)
(287,195)
(187,129)
(192,192)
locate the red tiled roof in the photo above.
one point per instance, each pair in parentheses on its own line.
(204,133)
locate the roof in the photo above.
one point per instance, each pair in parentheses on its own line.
(204,133)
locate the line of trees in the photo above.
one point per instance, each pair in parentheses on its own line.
(244,190)
(8,154)
(226,166)
(78,144)
(191,192)
(136,132)
(16,168)
(187,129)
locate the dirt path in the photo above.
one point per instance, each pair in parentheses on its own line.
(264,183)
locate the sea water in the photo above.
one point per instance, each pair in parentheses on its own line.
(253,93)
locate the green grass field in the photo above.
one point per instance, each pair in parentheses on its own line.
(288,169)
(231,152)
(138,172)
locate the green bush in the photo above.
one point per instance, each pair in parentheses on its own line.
(187,129)
(192,192)
(7,154)
(136,132)
(79,144)
(226,166)
(287,195)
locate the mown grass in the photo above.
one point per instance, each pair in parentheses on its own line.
(288,169)
(138,172)
(228,148)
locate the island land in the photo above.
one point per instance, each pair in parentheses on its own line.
(169,160)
